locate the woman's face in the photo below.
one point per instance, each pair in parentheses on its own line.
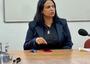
(49,9)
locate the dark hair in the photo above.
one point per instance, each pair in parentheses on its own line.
(39,16)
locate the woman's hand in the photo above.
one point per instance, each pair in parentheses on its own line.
(40,40)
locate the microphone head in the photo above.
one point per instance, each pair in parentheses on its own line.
(83,32)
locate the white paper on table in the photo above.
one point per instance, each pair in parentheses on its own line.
(84,49)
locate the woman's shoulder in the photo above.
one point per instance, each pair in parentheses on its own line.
(62,20)
(32,24)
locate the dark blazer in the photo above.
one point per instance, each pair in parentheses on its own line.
(36,30)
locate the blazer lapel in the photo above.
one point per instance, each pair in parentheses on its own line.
(59,30)
(39,30)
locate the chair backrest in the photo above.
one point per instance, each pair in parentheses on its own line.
(87,43)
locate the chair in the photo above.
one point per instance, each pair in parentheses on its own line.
(87,43)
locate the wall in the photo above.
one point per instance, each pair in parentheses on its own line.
(25,9)
(14,33)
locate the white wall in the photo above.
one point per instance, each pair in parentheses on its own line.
(25,9)
(15,33)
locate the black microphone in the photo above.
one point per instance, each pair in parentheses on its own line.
(83,32)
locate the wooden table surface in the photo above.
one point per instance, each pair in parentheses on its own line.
(54,57)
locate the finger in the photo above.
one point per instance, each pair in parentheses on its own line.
(44,41)
(38,40)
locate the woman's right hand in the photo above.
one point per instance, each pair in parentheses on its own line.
(40,40)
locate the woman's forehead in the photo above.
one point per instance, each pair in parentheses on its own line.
(48,2)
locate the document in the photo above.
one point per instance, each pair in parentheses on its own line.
(84,49)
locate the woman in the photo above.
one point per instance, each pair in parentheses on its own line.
(47,30)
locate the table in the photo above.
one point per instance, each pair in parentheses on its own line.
(64,56)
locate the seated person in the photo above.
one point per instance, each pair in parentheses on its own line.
(47,30)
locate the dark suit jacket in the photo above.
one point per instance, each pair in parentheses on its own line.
(36,30)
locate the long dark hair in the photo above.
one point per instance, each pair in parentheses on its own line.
(39,16)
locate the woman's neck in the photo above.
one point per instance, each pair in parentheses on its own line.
(48,21)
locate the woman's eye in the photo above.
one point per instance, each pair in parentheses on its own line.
(53,6)
(48,7)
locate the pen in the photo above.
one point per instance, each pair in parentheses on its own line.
(33,50)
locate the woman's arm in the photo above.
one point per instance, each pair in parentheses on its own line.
(30,39)
(68,42)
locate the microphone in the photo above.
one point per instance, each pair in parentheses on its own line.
(83,32)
